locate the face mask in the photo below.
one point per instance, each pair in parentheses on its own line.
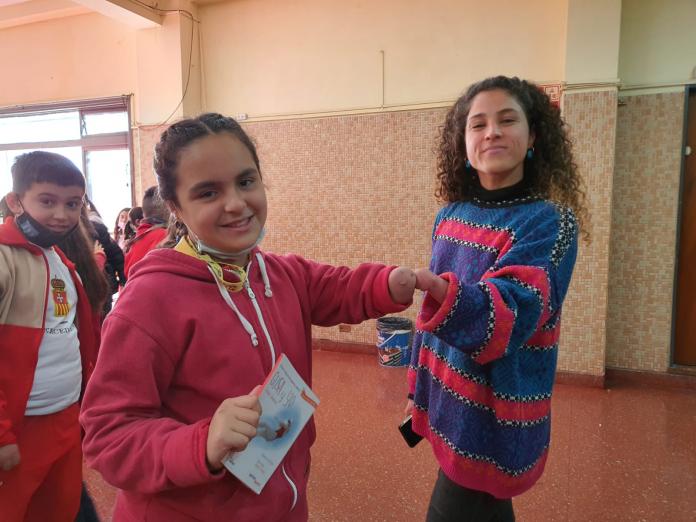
(205,249)
(37,233)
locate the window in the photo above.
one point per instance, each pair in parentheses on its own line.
(93,134)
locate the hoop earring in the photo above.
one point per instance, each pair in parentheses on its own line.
(530,153)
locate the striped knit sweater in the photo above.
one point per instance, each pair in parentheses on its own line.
(484,359)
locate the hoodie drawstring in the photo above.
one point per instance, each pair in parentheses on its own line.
(257,308)
(245,323)
(264,275)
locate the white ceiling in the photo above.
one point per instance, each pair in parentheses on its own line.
(20,12)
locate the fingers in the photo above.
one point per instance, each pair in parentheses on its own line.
(7,465)
(9,457)
(424,279)
(250,401)
(403,276)
(245,409)
(409,408)
(238,432)
(402,283)
(438,289)
(232,427)
(435,285)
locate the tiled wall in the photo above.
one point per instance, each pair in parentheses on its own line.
(591,117)
(644,229)
(348,189)
(354,188)
(144,139)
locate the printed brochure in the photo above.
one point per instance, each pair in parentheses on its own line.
(287,403)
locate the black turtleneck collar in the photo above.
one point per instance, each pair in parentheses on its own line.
(517,193)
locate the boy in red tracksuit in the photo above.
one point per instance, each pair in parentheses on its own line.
(45,358)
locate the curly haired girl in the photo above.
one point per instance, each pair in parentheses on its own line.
(504,247)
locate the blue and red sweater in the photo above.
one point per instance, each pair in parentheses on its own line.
(483,363)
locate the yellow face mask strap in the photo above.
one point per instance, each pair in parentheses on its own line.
(185,247)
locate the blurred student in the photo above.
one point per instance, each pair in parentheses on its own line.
(151,230)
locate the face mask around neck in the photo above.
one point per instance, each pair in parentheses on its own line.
(37,233)
(205,249)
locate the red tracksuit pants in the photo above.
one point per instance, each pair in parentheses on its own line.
(45,486)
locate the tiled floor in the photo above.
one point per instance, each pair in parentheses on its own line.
(626,453)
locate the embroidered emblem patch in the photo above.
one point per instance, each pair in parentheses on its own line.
(60,297)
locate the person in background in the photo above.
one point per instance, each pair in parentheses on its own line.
(5,211)
(151,231)
(135,216)
(123,230)
(503,251)
(114,270)
(198,328)
(47,343)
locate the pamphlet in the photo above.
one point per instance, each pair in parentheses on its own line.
(287,403)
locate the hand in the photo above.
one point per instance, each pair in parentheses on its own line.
(9,456)
(409,408)
(434,285)
(232,427)
(402,283)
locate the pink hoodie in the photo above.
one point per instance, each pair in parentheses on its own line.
(172,350)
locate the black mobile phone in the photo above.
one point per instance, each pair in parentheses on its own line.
(411,437)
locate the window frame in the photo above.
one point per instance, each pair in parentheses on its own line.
(112,140)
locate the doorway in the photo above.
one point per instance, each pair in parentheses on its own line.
(685,313)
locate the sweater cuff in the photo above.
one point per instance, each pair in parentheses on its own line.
(184,455)
(434,314)
(382,300)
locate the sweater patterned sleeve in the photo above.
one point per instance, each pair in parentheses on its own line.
(493,309)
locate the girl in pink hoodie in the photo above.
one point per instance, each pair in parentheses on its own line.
(199,326)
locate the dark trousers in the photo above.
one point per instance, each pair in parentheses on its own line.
(453,503)
(87,511)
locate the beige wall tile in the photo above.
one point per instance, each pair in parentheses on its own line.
(591,117)
(644,230)
(349,189)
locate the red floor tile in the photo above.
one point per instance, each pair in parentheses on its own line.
(624,453)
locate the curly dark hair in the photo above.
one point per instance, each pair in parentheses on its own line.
(175,138)
(551,173)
